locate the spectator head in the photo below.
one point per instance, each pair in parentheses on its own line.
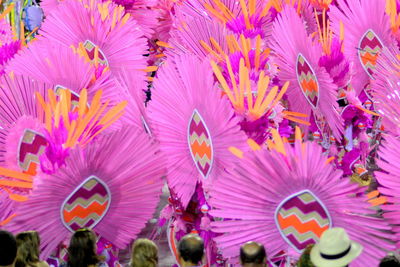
(191,250)
(253,254)
(305,260)
(8,249)
(28,249)
(389,261)
(82,249)
(335,249)
(144,253)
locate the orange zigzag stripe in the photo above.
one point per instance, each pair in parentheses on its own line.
(368,57)
(82,212)
(201,149)
(301,227)
(310,86)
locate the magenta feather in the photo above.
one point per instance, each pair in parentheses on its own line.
(121,42)
(131,167)
(182,86)
(359,16)
(249,196)
(290,39)
(7,52)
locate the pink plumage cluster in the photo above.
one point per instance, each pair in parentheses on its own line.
(269,121)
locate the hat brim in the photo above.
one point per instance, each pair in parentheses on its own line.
(319,261)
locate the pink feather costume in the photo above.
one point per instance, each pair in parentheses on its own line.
(195,127)
(91,29)
(367,31)
(269,190)
(128,192)
(311,90)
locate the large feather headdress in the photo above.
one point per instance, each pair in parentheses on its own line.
(366,32)
(311,90)
(101,32)
(52,63)
(287,197)
(116,179)
(194,124)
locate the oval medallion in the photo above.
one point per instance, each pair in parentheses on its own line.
(301,219)
(31,146)
(369,48)
(307,80)
(87,205)
(200,144)
(90,49)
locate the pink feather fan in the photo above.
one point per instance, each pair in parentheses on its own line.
(389,179)
(311,90)
(366,31)
(194,124)
(100,31)
(52,63)
(115,183)
(286,198)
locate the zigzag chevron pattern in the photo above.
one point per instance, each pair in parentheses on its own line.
(200,144)
(302,220)
(31,147)
(90,49)
(86,206)
(368,52)
(307,80)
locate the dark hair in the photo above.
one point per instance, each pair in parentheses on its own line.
(82,249)
(191,248)
(8,248)
(389,261)
(28,249)
(144,253)
(252,252)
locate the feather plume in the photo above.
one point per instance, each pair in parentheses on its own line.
(366,31)
(311,89)
(133,189)
(252,199)
(194,125)
(101,32)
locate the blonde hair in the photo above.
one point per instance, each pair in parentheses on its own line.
(28,249)
(144,253)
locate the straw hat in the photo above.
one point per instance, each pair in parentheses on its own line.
(335,249)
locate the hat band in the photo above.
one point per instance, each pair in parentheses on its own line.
(336,256)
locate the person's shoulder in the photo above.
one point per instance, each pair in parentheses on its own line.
(42,264)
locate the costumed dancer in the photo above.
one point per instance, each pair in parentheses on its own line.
(286,197)
(195,128)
